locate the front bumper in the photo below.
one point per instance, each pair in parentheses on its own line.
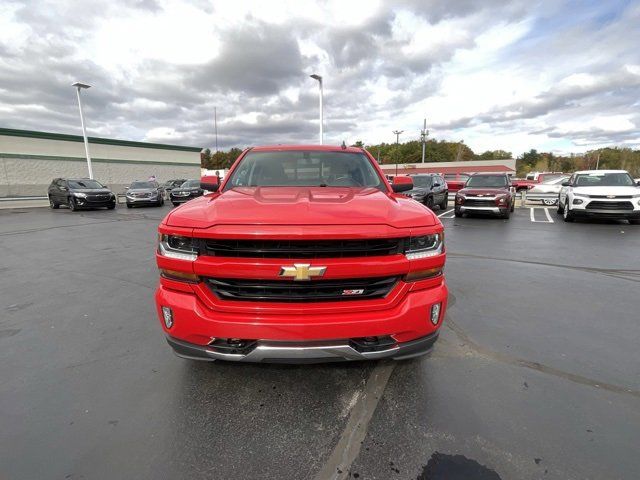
(614,214)
(302,335)
(143,200)
(306,352)
(492,210)
(84,203)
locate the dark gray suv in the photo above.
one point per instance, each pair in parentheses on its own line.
(430,189)
(79,193)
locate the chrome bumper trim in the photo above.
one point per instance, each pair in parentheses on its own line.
(481,209)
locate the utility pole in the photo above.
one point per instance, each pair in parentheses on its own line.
(215,125)
(459,154)
(598,161)
(397,134)
(423,136)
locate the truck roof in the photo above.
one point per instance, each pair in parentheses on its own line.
(320,148)
(602,171)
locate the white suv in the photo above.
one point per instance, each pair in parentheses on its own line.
(600,193)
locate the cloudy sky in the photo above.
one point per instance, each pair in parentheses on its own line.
(512,75)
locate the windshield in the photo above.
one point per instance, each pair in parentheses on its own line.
(487,181)
(422,182)
(142,185)
(619,179)
(191,184)
(453,176)
(555,181)
(305,168)
(84,183)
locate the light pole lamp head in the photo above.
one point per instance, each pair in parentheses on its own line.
(79,85)
(315,76)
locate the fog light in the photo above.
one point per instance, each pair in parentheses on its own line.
(435,313)
(577,201)
(167,314)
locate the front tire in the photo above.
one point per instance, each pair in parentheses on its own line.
(111,206)
(567,215)
(560,209)
(429,203)
(72,204)
(53,204)
(458,213)
(444,203)
(129,205)
(634,221)
(506,214)
(175,204)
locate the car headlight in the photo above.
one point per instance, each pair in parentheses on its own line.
(178,247)
(424,246)
(459,199)
(80,194)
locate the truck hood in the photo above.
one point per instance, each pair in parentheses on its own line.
(607,190)
(301,206)
(489,192)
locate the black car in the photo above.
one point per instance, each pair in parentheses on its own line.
(171,184)
(79,193)
(145,193)
(430,189)
(185,192)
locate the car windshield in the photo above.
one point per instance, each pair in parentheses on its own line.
(191,184)
(555,181)
(305,168)
(84,183)
(422,181)
(453,176)
(618,179)
(487,181)
(142,185)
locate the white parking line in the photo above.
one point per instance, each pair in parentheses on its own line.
(533,216)
(445,213)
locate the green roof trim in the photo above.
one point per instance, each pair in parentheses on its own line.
(96,160)
(11,132)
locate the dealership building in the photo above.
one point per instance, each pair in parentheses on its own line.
(29,160)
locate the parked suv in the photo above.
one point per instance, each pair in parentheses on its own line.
(304,254)
(144,193)
(486,193)
(600,193)
(185,192)
(79,193)
(430,189)
(171,184)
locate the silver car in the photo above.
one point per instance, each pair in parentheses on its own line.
(547,192)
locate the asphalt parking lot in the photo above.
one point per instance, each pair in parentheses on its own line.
(536,373)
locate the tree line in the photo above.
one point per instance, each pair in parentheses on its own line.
(443,151)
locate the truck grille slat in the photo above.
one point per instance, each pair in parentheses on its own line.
(290,291)
(303,248)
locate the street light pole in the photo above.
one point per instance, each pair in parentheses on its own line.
(319,79)
(215,125)
(423,136)
(80,86)
(397,134)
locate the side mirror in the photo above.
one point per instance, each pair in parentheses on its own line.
(435,185)
(64,189)
(566,184)
(210,183)
(402,184)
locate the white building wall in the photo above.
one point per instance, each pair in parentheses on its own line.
(27,164)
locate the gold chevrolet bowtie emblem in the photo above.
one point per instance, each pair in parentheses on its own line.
(302,271)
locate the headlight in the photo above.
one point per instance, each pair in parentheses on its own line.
(459,199)
(425,246)
(178,247)
(80,194)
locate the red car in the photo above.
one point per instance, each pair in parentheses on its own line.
(455,181)
(486,193)
(303,254)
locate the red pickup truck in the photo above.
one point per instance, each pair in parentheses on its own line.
(533,179)
(302,254)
